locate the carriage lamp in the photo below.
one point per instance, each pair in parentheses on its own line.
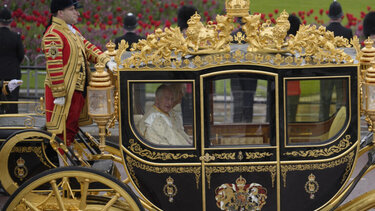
(369,96)
(100,100)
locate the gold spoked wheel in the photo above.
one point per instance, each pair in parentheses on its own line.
(73,188)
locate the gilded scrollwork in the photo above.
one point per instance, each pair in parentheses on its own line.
(343,145)
(348,160)
(225,156)
(236,169)
(137,149)
(257,155)
(132,163)
(36,150)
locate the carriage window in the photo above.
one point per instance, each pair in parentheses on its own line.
(316,110)
(163,112)
(238,111)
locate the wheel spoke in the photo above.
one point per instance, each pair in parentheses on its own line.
(30,205)
(111,202)
(84,191)
(57,194)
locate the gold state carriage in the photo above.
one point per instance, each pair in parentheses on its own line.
(276,153)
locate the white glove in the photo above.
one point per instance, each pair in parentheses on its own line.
(13,84)
(111,65)
(59,101)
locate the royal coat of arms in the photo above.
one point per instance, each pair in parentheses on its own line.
(240,196)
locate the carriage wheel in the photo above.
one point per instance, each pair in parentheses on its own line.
(23,155)
(73,188)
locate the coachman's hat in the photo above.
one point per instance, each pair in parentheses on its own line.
(369,24)
(57,5)
(335,10)
(5,15)
(183,15)
(130,22)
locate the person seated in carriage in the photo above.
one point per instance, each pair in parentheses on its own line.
(161,124)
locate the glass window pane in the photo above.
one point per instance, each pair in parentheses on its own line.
(238,111)
(316,110)
(163,113)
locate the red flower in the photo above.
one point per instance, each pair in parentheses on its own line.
(98,8)
(22,37)
(38,50)
(110,22)
(213,2)
(96,16)
(360,27)
(43,1)
(104,36)
(161,10)
(147,10)
(89,29)
(140,15)
(144,2)
(38,36)
(316,18)
(206,13)
(304,22)
(119,19)
(321,11)
(13,24)
(276,11)
(27,28)
(46,12)
(270,15)
(327,12)
(205,1)
(114,32)
(273,20)
(79,19)
(150,18)
(175,19)
(368,8)
(262,16)
(311,11)
(182,3)
(168,24)
(166,6)
(118,9)
(110,17)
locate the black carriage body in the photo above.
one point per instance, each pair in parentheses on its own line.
(273,164)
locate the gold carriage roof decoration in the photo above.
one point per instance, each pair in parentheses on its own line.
(264,43)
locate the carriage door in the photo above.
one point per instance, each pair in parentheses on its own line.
(239,154)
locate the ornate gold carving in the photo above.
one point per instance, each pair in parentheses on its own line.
(311,186)
(266,38)
(320,43)
(237,8)
(36,150)
(234,169)
(207,158)
(170,47)
(257,155)
(137,149)
(20,171)
(225,156)
(170,189)
(349,159)
(240,155)
(343,145)
(131,164)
